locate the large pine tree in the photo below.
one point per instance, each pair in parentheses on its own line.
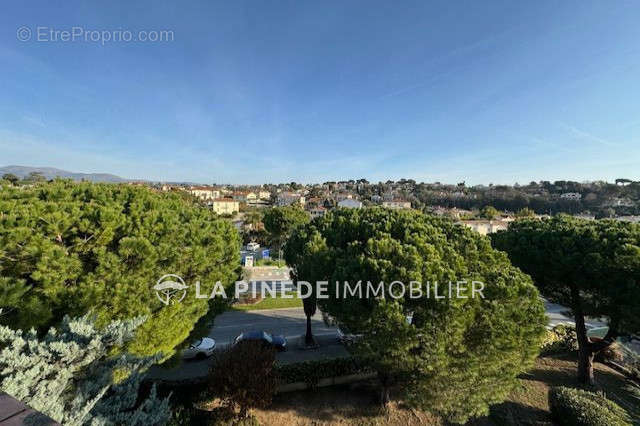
(456,356)
(69,248)
(590,266)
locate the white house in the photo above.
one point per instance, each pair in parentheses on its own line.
(317,211)
(485,227)
(350,203)
(397,204)
(289,198)
(575,196)
(204,192)
(225,206)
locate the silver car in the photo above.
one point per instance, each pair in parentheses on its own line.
(200,349)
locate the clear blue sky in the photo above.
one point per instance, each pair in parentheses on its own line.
(274,91)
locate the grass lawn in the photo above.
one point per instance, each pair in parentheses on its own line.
(271,303)
(356,404)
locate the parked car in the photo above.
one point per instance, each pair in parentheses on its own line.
(200,349)
(269,340)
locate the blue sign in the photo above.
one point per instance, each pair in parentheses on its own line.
(265,254)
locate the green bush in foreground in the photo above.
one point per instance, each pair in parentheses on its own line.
(69,375)
(576,407)
(68,248)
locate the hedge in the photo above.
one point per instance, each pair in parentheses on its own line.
(576,407)
(310,372)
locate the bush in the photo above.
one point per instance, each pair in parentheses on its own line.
(561,338)
(191,416)
(242,377)
(310,372)
(575,407)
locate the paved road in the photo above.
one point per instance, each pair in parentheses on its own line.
(290,323)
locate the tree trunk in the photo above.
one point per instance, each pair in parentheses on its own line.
(585,352)
(385,383)
(308,339)
(384,396)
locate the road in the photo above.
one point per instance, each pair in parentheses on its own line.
(290,323)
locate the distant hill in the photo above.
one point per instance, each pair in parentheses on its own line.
(51,172)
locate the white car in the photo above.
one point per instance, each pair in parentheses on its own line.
(200,349)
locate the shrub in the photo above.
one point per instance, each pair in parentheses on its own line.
(242,377)
(310,372)
(575,407)
(561,338)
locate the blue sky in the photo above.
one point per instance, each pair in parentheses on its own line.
(275,91)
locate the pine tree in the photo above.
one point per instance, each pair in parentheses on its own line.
(590,266)
(69,248)
(457,356)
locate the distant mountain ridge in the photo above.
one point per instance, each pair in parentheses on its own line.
(52,172)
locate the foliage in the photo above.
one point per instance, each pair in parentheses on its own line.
(591,266)
(243,376)
(310,372)
(575,407)
(489,212)
(452,344)
(69,374)
(279,222)
(560,339)
(70,248)
(10,177)
(525,212)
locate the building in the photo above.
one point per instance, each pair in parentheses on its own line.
(485,227)
(204,192)
(397,204)
(264,195)
(574,196)
(225,206)
(246,197)
(318,211)
(350,203)
(289,198)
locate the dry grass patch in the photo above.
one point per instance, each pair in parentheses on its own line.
(357,404)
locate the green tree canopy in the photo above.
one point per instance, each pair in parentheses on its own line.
(590,266)
(525,212)
(458,355)
(10,177)
(279,222)
(68,248)
(489,212)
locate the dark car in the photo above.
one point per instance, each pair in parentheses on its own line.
(277,342)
